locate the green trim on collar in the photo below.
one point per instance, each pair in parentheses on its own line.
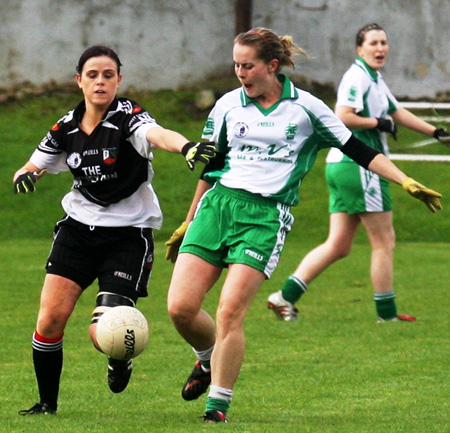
(288,92)
(363,65)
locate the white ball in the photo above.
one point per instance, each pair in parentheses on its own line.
(122,332)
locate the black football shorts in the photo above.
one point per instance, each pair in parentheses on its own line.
(121,258)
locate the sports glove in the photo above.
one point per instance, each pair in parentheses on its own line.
(26,182)
(387,125)
(173,244)
(442,135)
(428,196)
(202,151)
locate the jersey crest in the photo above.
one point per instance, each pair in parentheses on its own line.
(109,156)
(74,160)
(240,129)
(291,130)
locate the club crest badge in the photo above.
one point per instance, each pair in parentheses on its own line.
(109,156)
(352,94)
(240,130)
(291,130)
(74,160)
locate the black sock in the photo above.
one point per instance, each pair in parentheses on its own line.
(48,362)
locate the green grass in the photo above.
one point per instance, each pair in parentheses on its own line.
(23,124)
(333,371)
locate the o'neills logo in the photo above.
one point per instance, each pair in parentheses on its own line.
(255,255)
(129,342)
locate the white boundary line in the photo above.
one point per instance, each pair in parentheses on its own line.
(426,105)
(423,143)
(435,119)
(401,157)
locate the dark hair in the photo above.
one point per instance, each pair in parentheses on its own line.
(360,36)
(97,51)
(270,46)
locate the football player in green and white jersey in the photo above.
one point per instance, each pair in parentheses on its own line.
(357,195)
(267,134)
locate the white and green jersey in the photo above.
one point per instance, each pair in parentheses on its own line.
(364,89)
(269,151)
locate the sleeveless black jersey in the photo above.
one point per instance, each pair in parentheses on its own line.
(105,165)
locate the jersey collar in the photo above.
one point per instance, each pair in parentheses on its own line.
(289,91)
(81,108)
(374,75)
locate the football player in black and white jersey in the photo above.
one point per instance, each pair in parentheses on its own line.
(107,143)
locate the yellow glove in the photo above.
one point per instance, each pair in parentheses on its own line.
(173,244)
(428,196)
(202,151)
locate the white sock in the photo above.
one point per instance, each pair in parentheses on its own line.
(220,393)
(204,355)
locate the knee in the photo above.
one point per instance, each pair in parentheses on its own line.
(386,242)
(180,312)
(340,249)
(386,247)
(229,319)
(390,244)
(341,253)
(392,240)
(51,325)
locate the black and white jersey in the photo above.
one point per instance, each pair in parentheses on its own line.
(111,167)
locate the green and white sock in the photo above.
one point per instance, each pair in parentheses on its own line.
(219,399)
(385,305)
(205,358)
(293,289)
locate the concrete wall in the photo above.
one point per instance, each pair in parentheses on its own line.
(161,43)
(418,35)
(171,43)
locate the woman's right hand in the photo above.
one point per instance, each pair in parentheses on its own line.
(173,244)
(24,181)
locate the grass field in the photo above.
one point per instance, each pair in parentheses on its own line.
(333,371)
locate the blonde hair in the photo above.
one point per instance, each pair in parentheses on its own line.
(269,46)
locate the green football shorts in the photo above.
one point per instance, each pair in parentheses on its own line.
(354,189)
(236,226)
